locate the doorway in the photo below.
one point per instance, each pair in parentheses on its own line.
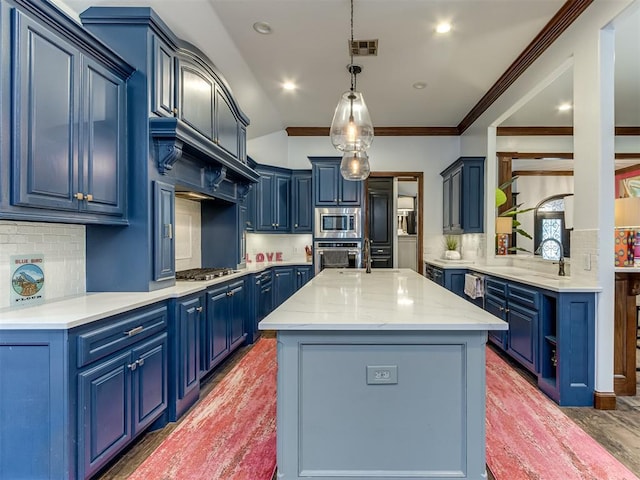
(404,225)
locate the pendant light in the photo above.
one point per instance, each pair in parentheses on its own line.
(355,166)
(351,128)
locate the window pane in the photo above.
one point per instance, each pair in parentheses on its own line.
(556,205)
(551,242)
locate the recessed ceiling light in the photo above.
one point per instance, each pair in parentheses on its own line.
(443,27)
(289,86)
(419,85)
(262,27)
(564,107)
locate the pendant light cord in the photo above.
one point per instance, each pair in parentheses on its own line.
(351,70)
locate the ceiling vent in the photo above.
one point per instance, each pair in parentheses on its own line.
(364,48)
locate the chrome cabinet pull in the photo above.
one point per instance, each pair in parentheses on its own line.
(132,366)
(199,309)
(168,230)
(79,196)
(140,362)
(134,331)
(89,197)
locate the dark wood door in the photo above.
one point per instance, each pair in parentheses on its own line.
(381,221)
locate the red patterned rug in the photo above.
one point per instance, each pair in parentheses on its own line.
(230,434)
(529,437)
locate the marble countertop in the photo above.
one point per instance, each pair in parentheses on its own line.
(527,276)
(388,300)
(70,312)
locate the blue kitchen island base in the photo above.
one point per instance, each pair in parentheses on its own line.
(385,405)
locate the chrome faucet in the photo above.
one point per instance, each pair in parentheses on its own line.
(367,255)
(560,263)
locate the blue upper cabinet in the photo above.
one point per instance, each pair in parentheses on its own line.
(273,199)
(301,209)
(463,196)
(67,124)
(330,189)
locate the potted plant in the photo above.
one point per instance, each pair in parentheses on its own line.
(452,253)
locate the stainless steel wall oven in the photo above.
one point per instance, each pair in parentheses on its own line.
(338,254)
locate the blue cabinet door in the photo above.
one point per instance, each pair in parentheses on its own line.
(226,125)
(326,183)
(282,202)
(149,381)
(455,218)
(104,412)
(163,82)
(189,320)
(196,93)
(302,209)
(46,82)
(523,335)
(103,137)
(217,334)
(303,275)
(265,205)
(238,314)
(329,186)
(284,284)
(164,243)
(350,191)
(265,303)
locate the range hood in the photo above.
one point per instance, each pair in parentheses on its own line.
(173,139)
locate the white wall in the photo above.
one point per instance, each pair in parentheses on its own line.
(188,234)
(63,247)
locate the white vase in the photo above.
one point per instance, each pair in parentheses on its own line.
(452,255)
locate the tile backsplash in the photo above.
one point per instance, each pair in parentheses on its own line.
(63,247)
(290,246)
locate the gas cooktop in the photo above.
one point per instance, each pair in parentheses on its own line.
(195,274)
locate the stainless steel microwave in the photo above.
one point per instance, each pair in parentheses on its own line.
(338,222)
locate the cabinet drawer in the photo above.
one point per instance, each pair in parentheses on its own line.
(495,287)
(120,333)
(523,296)
(380,251)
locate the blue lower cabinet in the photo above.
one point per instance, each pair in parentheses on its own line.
(284,284)
(122,381)
(454,281)
(188,319)
(36,438)
(225,324)
(118,398)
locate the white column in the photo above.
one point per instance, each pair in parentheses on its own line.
(594,135)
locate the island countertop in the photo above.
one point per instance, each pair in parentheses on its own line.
(398,299)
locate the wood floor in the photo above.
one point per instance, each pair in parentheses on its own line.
(616,430)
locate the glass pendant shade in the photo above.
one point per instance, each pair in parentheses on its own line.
(351,128)
(355,166)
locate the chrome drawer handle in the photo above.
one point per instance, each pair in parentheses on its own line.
(134,331)
(132,366)
(199,309)
(140,362)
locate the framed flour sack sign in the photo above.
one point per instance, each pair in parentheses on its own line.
(27,280)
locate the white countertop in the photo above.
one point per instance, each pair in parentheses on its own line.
(386,300)
(548,281)
(70,312)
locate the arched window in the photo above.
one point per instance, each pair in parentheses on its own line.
(551,239)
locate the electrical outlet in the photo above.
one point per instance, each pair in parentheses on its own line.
(586,261)
(382,374)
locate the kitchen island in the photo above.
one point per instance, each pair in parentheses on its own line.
(380,376)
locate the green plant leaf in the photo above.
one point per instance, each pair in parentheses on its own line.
(523,233)
(508,182)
